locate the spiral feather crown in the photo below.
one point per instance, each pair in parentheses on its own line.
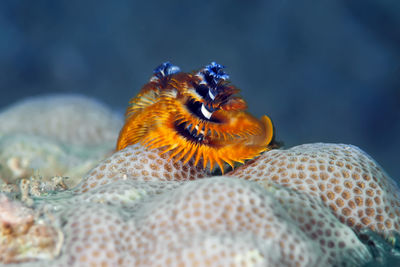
(195,116)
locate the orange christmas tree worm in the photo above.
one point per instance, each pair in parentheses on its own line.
(195,115)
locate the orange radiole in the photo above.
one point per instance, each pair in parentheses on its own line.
(195,116)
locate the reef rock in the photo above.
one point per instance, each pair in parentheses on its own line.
(24,236)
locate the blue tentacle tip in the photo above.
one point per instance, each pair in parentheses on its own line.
(213,74)
(165,69)
(216,71)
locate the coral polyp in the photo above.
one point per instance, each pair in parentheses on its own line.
(195,115)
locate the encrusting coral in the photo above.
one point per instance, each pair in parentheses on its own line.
(208,222)
(152,206)
(24,156)
(232,209)
(345,178)
(62,135)
(70,119)
(138,163)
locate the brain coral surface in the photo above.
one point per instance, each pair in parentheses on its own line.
(135,218)
(217,221)
(344,177)
(305,206)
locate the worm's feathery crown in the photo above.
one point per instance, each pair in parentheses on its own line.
(196,116)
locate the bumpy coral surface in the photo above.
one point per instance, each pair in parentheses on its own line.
(344,177)
(339,243)
(138,163)
(217,221)
(304,206)
(54,136)
(23,156)
(220,221)
(70,119)
(148,220)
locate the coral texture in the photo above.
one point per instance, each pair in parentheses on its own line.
(71,119)
(23,156)
(344,177)
(304,206)
(51,136)
(147,220)
(217,221)
(138,163)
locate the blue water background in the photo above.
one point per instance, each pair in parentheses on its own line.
(324,71)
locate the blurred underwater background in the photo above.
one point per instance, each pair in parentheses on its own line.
(324,71)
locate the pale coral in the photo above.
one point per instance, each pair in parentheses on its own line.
(24,156)
(128,212)
(58,135)
(216,221)
(304,206)
(222,221)
(346,179)
(71,119)
(338,242)
(139,163)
